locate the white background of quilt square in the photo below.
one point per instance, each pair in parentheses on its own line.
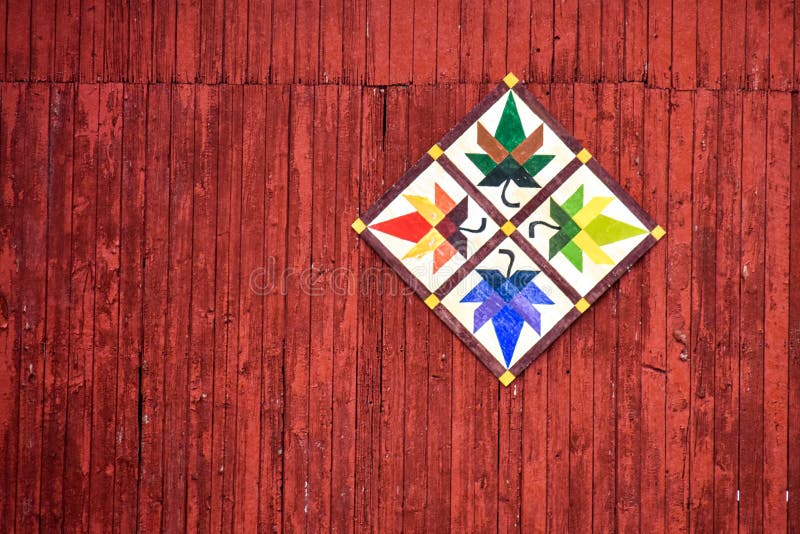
(465,311)
(583,282)
(424,185)
(468,144)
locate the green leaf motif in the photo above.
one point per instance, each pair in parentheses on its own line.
(509,130)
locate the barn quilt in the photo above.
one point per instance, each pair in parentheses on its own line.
(508,229)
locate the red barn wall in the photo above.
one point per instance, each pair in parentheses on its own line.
(176,176)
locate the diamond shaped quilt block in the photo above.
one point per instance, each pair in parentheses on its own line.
(432,227)
(584,230)
(508,229)
(509,153)
(507,303)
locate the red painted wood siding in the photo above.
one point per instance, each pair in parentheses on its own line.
(192,337)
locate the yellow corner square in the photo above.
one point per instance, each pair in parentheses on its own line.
(508,228)
(658,232)
(506,378)
(435,151)
(358,225)
(582,305)
(432,301)
(511,80)
(584,156)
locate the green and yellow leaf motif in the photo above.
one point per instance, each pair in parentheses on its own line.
(583,229)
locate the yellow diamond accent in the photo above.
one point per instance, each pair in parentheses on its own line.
(511,81)
(506,378)
(582,305)
(584,156)
(658,232)
(432,301)
(508,228)
(358,225)
(435,152)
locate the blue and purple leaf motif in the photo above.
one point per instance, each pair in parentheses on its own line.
(508,301)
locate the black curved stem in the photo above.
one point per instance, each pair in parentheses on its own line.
(503,196)
(510,254)
(534,223)
(479,230)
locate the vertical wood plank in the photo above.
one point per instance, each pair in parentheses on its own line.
(236,24)
(228,275)
(9,290)
(589,59)
(202,355)
(354,45)
(495,41)
(18,43)
(684,45)
(30,151)
(59,243)
(187,40)
(612,41)
(541,42)
(776,312)
(679,248)
(378,30)
(781,44)
(66,43)
(42,22)
(296,437)
(732,51)
(629,364)
(249,364)
(106,309)
(519,39)
(259,40)
(424,61)
(703,309)
(179,287)
(115,47)
(164,41)
(659,44)
(636,59)
(331,37)
(709,20)
(448,41)
(793,519)
(326,113)
(284,40)
(212,28)
(31,169)
(82,302)
(751,315)
(277,151)
(343,446)
(154,304)
(140,60)
(306,60)
(471,41)
(726,364)
(126,462)
(565,45)
(654,315)
(757,45)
